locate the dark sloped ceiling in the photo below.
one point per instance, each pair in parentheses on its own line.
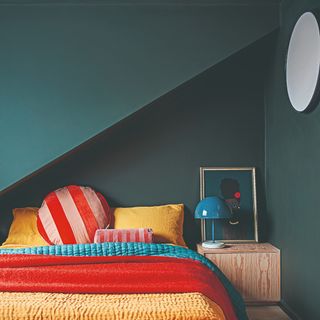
(71,69)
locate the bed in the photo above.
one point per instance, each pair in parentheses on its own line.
(114,281)
(101,277)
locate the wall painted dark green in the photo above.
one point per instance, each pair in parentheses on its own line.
(67,72)
(153,157)
(293,173)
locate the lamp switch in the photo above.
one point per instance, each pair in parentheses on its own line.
(204,213)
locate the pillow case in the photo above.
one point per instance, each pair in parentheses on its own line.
(72,215)
(166,221)
(23,230)
(124,235)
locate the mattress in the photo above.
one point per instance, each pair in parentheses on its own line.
(115,281)
(31,306)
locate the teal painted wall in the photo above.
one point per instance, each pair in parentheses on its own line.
(293,173)
(72,69)
(153,157)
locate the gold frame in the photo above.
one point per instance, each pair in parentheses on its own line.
(254,196)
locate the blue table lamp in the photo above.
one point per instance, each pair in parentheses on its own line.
(212,208)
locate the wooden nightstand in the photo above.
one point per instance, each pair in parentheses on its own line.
(253,268)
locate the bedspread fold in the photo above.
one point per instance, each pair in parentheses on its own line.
(53,306)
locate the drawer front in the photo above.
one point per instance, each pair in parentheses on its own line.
(255,275)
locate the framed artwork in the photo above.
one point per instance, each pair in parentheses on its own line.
(237,186)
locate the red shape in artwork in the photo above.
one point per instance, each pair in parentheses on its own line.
(237,195)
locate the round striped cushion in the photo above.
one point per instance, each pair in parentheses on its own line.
(72,215)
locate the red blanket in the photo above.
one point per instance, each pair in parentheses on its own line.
(119,274)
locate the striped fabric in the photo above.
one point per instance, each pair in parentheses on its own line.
(72,215)
(123,235)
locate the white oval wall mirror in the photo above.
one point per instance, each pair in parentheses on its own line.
(303,63)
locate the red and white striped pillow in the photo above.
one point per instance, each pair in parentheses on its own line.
(72,215)
(124,235)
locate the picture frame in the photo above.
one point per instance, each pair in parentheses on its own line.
(237,186)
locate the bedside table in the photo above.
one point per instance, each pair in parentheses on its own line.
(253,268)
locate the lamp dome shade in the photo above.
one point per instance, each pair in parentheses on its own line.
(212,208)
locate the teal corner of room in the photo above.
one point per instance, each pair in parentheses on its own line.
(291,177)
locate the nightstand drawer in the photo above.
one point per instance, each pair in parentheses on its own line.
(255,273)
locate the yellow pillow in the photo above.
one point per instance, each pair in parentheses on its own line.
(23,231)
(166,221)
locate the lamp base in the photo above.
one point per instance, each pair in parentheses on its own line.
(211,244)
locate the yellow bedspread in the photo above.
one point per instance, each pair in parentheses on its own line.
(32,306)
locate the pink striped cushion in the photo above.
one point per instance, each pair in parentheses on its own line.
(72,215)
(124,235)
